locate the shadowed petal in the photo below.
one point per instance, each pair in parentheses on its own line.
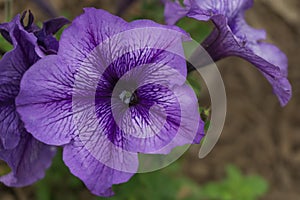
(27,157)
(12,67)
(10,126)
(28,161)
(53,25)
(46,40)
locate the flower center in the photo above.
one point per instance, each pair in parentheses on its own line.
(129,98)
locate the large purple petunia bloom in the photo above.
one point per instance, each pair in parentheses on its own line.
(115,89)
(232,36)
(27,157)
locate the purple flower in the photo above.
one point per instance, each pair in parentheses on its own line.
(27,157)
(115,89)
(232,36)
(45,39)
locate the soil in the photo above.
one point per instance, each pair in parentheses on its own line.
(259,136)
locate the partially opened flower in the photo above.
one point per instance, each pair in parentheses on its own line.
(47,43)
(232,36)
(27,157)
(115,89)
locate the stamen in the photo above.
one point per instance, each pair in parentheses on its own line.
(128,97)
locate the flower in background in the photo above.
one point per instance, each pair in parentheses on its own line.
(47,43)
(115,89)
(27,157)
(232,36)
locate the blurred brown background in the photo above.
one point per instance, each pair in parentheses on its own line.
(259,136)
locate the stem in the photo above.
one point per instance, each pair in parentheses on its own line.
(199,59)
(8,9)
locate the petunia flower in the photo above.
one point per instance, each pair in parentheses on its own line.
(47,43)
(27,157)
(114,90)
(232,36)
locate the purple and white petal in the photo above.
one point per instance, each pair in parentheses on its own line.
(45,101)
(97,177)
(86,32)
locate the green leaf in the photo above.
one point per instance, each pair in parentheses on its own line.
(58,183)
(4,168)
(165,184)
(4,45)
(197,29)
(151,9)
(236,186)
(194,82)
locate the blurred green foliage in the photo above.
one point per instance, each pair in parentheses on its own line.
(205,116)
(58,183)
(166,184)
(235,186)
(194,83)
(198,30)
(154,10)
(4,168)
(4,46)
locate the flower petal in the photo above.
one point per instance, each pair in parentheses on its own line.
(86,32)
(203,10)
(191,128)
(12,67)
(267,58)
(244,32)
(167,117)
(53,25)
(27,157)
(45,101)
(174,11)
(96,176)
(270,55)
(28,161)
(10,126)
(232,36)
(46,41)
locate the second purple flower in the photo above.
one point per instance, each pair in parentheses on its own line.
(232,36)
